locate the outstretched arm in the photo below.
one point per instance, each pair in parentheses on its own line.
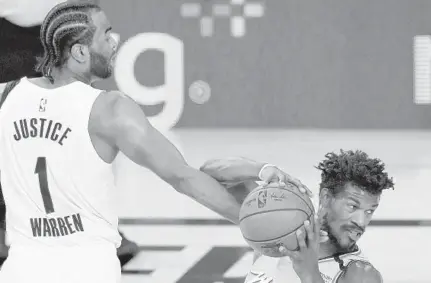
(233,170)
(237,174)
(123,125)
(240,171)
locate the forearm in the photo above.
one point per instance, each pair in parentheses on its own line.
(159,155)
(197,185)
(208,192)
(233,170)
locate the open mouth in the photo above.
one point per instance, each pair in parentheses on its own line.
(354,235)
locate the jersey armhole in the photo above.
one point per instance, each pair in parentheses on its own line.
(101,92)
(8,88)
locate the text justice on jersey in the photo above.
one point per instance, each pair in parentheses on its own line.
(40,128)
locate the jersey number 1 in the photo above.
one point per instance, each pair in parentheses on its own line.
(43,184)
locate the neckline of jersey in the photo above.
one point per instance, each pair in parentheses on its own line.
(49,90)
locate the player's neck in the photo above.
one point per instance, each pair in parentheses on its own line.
(65,76)
(328,249)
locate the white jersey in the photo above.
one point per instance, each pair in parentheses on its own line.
(280,270)
(57,190)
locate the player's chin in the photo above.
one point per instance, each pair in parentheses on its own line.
(346,242)
(107,73)
(351,244)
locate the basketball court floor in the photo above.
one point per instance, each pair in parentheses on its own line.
(182,242)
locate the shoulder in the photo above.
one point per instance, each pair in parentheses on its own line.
(104,112)
(359,271)
(113,112)
(109,98)
(109,103)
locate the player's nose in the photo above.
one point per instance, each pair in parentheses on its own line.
(115,41)
(360,221)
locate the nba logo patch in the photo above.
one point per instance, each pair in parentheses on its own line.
(42,105)
(261,199)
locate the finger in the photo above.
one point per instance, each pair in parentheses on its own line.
(316,224)
(283,250)
(309,230)
(282,179)
(323,238)
(300,235)
(271,179)
(282,176)
(306,191)
(302,188)
(274,183)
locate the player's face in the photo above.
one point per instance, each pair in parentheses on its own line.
(346,215)
(103,48)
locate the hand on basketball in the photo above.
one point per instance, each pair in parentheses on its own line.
(305,260)
(274,174)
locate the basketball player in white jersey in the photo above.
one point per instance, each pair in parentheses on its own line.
(58,139)
(350,191)
(20,24)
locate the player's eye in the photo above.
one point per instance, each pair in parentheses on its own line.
(352,206)
(370,212)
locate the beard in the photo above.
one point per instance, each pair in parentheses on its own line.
(332,238)
(100,66)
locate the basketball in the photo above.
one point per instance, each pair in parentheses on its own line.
(271,215)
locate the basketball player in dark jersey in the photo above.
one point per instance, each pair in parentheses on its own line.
(19,60)
(350,190)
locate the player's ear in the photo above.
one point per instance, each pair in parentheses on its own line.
(80,52)
(325,197)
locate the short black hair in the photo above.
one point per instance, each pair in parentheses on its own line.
(353,167)
(66,24)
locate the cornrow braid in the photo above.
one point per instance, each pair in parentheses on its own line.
(66,24)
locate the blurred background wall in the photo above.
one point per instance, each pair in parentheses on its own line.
(299,64)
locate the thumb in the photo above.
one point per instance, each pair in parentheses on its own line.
(281,179)
(323,236)
(269,178)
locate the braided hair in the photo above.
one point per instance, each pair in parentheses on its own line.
(66,24)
